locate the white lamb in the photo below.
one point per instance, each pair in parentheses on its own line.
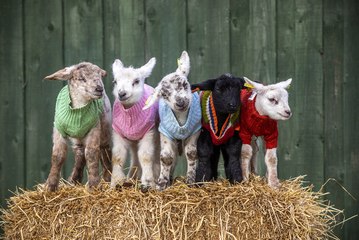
(180,121)
(260,111)
(133,128)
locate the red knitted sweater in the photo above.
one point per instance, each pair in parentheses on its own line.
(252,123)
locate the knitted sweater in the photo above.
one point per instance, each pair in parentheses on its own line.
(209,120)
(169,125)
(252,123)
(75,122)
(133,123)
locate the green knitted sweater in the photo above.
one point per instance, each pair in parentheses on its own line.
(75,122)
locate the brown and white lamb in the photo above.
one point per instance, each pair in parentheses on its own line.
(83,116)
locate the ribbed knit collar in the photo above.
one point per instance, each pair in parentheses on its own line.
(169,125)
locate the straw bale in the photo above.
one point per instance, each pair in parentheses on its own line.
(215,210)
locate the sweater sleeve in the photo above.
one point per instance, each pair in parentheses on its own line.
(271,139)
(245,135)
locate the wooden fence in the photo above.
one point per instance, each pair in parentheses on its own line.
(316,42)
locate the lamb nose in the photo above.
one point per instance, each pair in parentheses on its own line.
(121,94)
(288,112)
(231,105)
(180,104)
(99,88)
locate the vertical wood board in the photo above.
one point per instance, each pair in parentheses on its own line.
(12,117)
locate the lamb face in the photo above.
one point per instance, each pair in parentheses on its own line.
(85,79)
(129,82)
(272,100)
(226,94)
(176,92)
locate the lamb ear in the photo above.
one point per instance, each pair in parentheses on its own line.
(63,74)
(103,73)
(284,84)
(146,69)
(205,85)
(153,97)
(241,81)
(117,66)
(183,64)
(257,86)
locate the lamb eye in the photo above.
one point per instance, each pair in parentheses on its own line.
(82,79)
(137,81)
(114,82)
(273,100)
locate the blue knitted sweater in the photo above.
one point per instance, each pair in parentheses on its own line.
(169,125)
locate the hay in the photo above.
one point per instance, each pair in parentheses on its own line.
(214,211)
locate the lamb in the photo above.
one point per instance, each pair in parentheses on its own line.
(180,121)
(261,109)
(133,128)
(220,102)
(82,115)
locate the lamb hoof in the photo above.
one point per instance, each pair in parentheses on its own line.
(275,184)
(74,181)
(107,176)
(144,188)
(93,182)
(51,187)
(162,184)
(116,181)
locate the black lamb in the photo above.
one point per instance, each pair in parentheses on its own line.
(220,103)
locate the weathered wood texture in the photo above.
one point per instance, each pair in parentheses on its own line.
(314,42)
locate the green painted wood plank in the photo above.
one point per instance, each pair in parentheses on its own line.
(165,35)
(83,39)
(124,35)
(208,41)
(289,130)
(12,162)
(306,145)
(333,70)
(239,29)
(351,115)
(208,38)
(83,31)
(261,41)
(165,40)
(261,56)
(40,96)
(253,46)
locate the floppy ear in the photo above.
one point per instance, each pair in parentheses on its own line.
(205,85)
(153,97)
(63,74)
(183,64)
(284,84)
(146,69)
(103,72)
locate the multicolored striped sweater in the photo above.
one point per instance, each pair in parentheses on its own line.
(209,120)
